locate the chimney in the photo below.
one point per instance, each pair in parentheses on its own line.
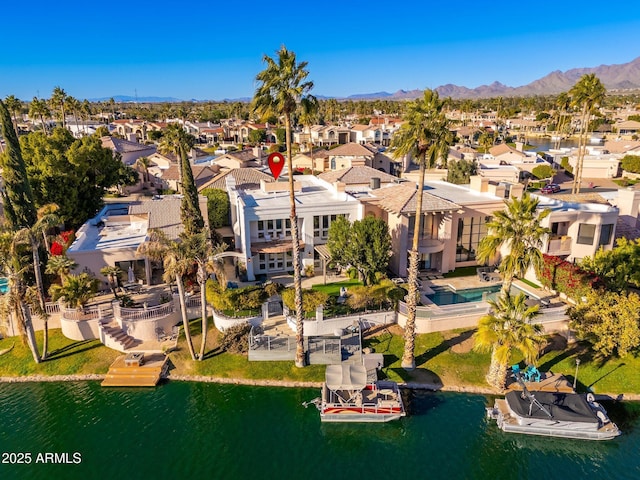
(519,146)
(374,183)
(479,184)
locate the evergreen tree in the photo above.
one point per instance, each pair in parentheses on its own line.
(17,196)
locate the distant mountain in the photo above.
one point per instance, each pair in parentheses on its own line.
(129,99)
(615,77)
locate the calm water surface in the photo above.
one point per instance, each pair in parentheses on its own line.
(191,430)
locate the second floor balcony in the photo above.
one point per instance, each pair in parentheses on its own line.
(559,245)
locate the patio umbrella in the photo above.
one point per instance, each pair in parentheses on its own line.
(131,277)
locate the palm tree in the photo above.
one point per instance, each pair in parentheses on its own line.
(39,108)
(32,236)
(507,327)
(517,229)
(177,142)
(14,105)
(14,302)
(425,134)
(177,259)
(76,291)
(85,113)
(73,105)
(60,265)
(58,100)
(563,103)
(112,273)
(282,86)
(143,163)
(587,94)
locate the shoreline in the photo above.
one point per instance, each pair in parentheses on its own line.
(288,384)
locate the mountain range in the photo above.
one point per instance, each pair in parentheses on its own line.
(625,76)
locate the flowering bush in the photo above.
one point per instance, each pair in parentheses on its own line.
(67,237)
(565,277)
(57,249)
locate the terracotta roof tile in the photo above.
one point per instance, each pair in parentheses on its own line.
(357,175)
(351,150)
(401,199)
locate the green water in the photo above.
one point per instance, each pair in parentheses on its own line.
(190,430)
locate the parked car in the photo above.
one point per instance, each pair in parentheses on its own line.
(551,188)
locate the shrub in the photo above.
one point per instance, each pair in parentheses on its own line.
(564,163)
(311,299)
(565,277)
(631,163)
(235,339)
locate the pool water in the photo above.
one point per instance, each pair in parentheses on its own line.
(4,285)
(446,296)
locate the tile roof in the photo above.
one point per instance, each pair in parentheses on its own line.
(246,178)
(504,148)
(351,150)
(125,146)
(621,146)
(401,199)
(356,175)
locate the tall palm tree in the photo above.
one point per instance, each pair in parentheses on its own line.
(563,103)
(516,229)
(426,135)
(58,100)
(177,259)
(85,113)
(32,237)
(73,105)
(14,302)
(586,94)
(506,327)
(14,105)
(282,86)
(39,108)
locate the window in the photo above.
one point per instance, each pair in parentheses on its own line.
(586,234)
(605,234)
(273,229)
(321,224)
(470,231)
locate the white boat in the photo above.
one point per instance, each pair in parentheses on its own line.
(347,396)
(553,414)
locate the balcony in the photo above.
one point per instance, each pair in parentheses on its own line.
(430,245)
(559,245)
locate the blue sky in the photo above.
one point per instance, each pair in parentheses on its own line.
(213,50)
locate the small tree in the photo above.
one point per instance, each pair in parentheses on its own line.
(631,163)
(256,137)
(365,245)
(610,321)
(459,171)
(76,291)
(543,171)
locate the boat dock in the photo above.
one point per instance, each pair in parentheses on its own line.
(551,382)
(136,369)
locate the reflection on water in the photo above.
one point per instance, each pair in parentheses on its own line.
(193,430)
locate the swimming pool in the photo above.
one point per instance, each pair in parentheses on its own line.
(443,295)
(4,285)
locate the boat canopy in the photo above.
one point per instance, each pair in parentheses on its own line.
(571,407)
(346,377)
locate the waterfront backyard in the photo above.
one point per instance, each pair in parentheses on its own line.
(444,360)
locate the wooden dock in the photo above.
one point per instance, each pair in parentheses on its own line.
(133,371)
(550,383)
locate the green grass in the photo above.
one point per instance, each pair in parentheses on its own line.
(530,283)
(435,362)
(625,182)
(461,272)
(333,289)
(66,357)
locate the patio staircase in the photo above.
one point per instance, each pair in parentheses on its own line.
(116,338)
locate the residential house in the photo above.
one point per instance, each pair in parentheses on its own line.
(262,227)
(317,160)
(628,128)
(327,135)
(359,177)
(353,154)
(129,151)
(242,159)
(113,235)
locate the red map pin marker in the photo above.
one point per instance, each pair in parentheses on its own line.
(276,162)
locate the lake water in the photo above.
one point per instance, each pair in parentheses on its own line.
(185,430)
